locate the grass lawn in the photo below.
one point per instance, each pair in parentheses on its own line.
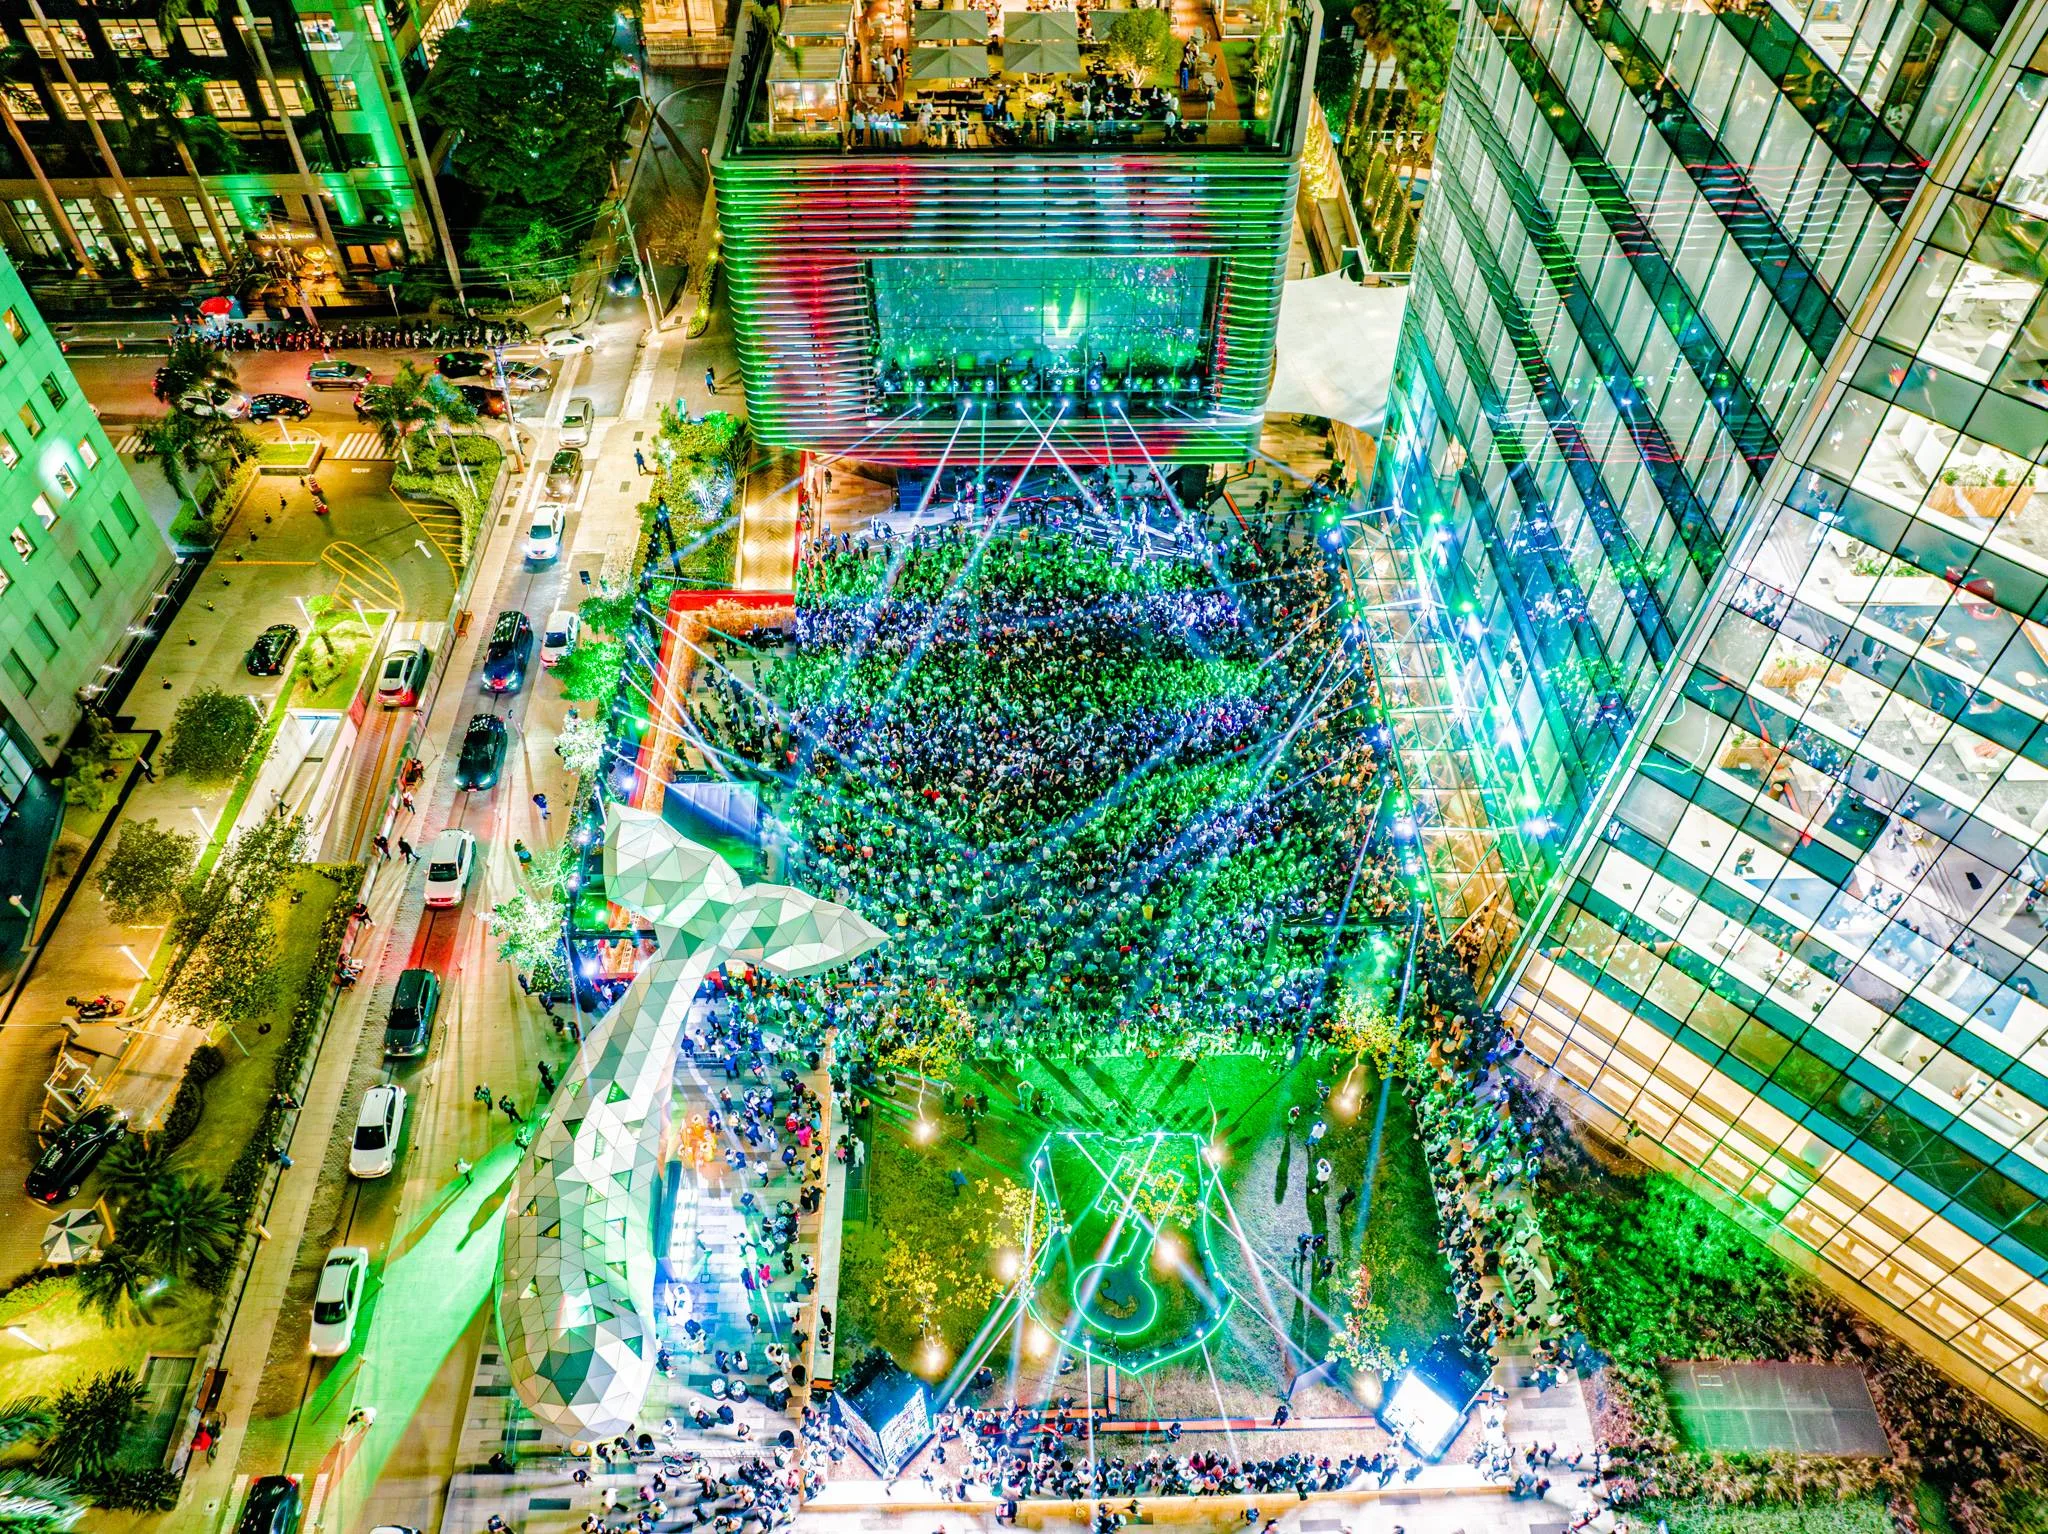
(1858,1515)
(76,1344)
(235,1099)
(288,457)
(331,662)
(1240,1105)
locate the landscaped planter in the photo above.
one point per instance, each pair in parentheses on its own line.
(293,458)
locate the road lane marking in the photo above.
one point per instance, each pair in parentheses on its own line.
(361,444)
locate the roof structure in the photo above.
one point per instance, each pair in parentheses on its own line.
(576,1295)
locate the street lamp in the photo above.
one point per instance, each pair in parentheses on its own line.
(654,123)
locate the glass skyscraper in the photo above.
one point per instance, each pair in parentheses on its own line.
(1712,613)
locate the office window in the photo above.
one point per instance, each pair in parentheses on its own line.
(202,231)
(66,481)
(13,321)
(31,422)
(26,104)
(202,37)
(294,97)
(87,453)
(104,542)
(319,30)
(91,99)
(9,457)
(125,514)
(53,391)
(224,98)
(23,546)
(135,37)
(23,679)
(33,220)
(88,577)
(48,37)
(91,229)
(67,610)
(45,512)
(39,632)
(346,97)
(157,217)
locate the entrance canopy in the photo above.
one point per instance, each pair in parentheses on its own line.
(1335,353)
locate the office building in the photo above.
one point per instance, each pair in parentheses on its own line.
(942,267)
(1712,614)
(293,140)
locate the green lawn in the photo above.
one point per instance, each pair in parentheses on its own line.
(235,1099)
(1239,1104)
(57,1344)
(1858,1515)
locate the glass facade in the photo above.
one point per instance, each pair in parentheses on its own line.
(1712,612)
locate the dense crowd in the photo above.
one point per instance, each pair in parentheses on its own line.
(1105,801)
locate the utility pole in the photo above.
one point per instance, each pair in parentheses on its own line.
(419,144)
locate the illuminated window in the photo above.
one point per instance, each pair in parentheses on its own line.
(31,422)
(22,546)
(87,453)
(68,35)
(202,37)
(224,98)
(294,98)
(346,97)
(134,37)
(45,512)
(53,391)
(8,456)
(12,320)
(33,220)
(319,30)
(23,101)
(65,481)
(90,99)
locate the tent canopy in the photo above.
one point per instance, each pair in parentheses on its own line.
(1334,355)
(1041,58)
(1041,27)
(949,27)
(817,23)
(931,65)
(810,66)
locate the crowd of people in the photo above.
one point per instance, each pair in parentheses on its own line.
(1107,802)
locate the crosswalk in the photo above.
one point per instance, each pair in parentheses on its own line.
(364,446)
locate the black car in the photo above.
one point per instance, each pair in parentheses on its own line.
(73,1152)
(463,364)
(624,281)
(271,407)
(272,1508)
(510,649)
(267,654)
(483,753)
(483,401)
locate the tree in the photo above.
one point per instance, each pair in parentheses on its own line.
(524,246)
(581,743)
(225,933)
(177,98)
(141,877)
(590,669)
(38,1504)
(194,363)
(1376,45)
(90,1420)
(212,734)
(118,1287)
(135,1165)
(526,85)
(412,403)
(184,1224)
(528,928)
(1138,42)
(23,1419)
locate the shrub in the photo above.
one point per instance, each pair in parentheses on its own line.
(135,1488)
(185,1111)
(212,734)
(207,1062)
(142,873)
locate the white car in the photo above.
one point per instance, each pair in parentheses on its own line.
(450,857)
(374,1151)
(565,343)
(559,634)
(216,400)
(338,1300)
(527,378)
(576,423)
(544,537)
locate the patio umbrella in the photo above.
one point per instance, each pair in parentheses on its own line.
(1041,59)
(949,26)
(73,1236)
(1041,27)
(929,65)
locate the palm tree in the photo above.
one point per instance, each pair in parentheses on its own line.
(170,94)
(38,1504)
(173,440)
(193,363)
(27,1417)
(184,1224)
(411,403)
(1379,47)
(92,1422)
(139,1162)
(119,1286)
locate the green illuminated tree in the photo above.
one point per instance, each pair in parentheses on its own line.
(185,1224)
(590,669)
(89,1423)
(1138,42)
(141,876)
(116,1287)
(212,734)
(581,745)
(38,1504)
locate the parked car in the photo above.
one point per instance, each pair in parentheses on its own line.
(527,377)
(510,648)
(576,423)
(483,401)
(404,674)
(409,1025)
(267,655)
(338,1300)
(60,1171)
(338,375)
(564,470)
(483,753)
(374,1151)
(565,343)
(275,407)
(463,364)
(544,536)
(450,858)
(272,1507)
(557,634)
(211,400)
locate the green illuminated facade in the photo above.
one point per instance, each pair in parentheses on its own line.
(177,203)
(1718,443)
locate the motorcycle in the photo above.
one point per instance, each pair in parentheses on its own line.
(98,1007)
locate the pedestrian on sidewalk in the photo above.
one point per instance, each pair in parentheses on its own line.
(405,851)
(482,1093)
(639,460)
(710,381)
(383,845)
(547,1080)
(540,802)
(463,1170)
(148,771)
(509,1108)
(405,798)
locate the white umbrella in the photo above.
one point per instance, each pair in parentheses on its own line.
(73,1236)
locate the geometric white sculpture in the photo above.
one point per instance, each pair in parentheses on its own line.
(576,1292)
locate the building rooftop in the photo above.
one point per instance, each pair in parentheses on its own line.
(884,76)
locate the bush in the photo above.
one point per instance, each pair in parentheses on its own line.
(212,734)
(135,1488)
(141,875)
(207,1062)
(185,1111)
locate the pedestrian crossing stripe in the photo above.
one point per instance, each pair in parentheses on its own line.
(129,445)
(360,445)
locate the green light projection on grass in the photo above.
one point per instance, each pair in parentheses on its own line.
(1127,1274)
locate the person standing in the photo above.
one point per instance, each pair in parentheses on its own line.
(710,380)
